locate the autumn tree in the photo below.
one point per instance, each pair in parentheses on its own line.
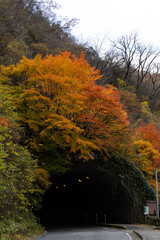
(66,116)
(132,104)
(18,168)
(147,147)
(149,132)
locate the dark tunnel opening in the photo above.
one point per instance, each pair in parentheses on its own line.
(86,196)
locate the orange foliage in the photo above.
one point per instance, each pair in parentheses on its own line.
(148,156)
(151,134)
(3,122)
(41,182)
(62,106)
(103,118)
(147,146)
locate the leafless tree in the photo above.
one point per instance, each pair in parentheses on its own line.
(127,48)
(146,60)
(154,79)
(136,59)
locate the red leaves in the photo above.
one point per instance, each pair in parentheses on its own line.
(150,134)
(3,122)
(147,146)
(103,118)
(59,101)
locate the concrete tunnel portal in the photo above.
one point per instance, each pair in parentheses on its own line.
(86,195)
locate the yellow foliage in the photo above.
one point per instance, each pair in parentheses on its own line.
(122,83)
(147,156)
(58,100)
(146,112)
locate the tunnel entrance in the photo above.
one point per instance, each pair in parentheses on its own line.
(86,195)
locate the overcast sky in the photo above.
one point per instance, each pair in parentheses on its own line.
(113,18)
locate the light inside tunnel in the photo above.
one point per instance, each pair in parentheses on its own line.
(86,196)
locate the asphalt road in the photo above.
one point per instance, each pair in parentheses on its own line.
(90,233)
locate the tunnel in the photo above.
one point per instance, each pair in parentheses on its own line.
(86,195)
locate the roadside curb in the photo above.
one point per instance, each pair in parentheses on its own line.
(156,228)
(38,237)
(112,226)
(139,235)
(116,226)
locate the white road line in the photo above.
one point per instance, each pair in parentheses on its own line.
(129,236)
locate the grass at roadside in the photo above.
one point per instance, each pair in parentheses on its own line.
(23,228)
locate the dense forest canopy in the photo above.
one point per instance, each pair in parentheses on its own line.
(64,110)
(61,103)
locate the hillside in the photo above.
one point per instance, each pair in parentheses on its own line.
(62,103)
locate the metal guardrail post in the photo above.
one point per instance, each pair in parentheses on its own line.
(157,194)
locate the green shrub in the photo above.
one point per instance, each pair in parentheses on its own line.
(20,228)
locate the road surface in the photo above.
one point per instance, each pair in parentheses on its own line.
(88,233)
